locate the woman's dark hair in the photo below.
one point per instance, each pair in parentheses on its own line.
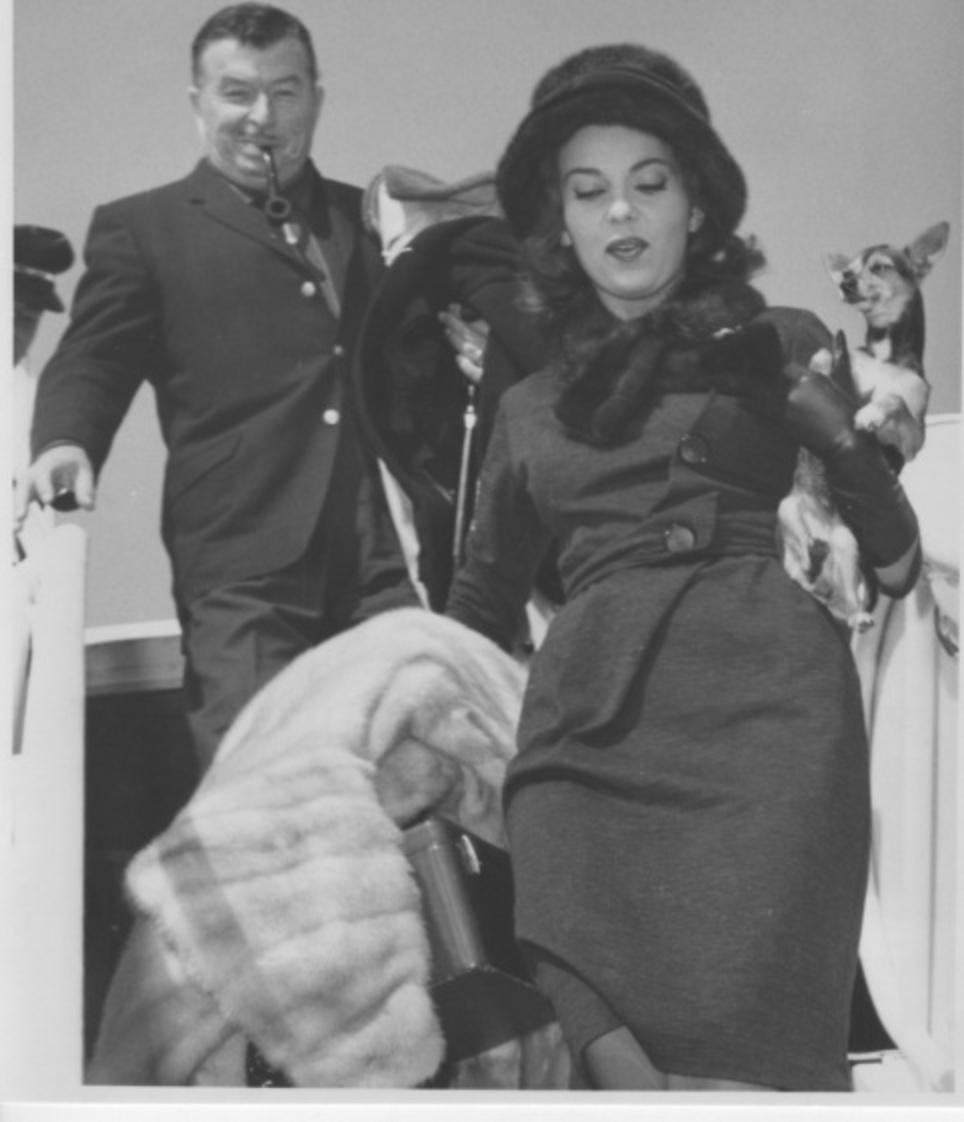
(254,25)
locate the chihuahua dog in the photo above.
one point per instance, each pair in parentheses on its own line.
(886,376)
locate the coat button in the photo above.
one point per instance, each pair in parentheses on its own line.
(693,449)
(331,416)
(338,350)
(679,538)
(309,288)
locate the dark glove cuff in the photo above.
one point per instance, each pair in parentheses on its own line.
(871,500)
(898,589)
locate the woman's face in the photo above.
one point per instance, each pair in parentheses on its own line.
(627,214)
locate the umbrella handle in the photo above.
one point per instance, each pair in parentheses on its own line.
(469,420)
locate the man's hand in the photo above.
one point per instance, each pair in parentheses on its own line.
(467,338)
(56,474)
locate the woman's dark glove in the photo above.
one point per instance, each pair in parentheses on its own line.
(865,490)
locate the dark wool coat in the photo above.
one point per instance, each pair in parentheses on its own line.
(411,394)
(189,288)
(688,812)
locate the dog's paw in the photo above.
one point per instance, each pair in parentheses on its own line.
(892,423)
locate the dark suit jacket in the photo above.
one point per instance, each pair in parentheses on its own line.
(188,287)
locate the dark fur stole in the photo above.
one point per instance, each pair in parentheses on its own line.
(692,344)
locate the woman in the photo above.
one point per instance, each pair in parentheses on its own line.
(688,811)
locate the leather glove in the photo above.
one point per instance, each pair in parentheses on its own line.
(866,491)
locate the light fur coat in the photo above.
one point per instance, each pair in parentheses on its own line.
(278,907)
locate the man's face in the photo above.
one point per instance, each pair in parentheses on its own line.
(248,99)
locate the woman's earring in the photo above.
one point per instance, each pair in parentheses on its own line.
(565,239)
(696,220)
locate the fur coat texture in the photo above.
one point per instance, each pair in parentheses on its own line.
(278,907)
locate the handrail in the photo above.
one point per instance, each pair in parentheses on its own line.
(43,961)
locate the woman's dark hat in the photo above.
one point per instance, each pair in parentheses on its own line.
(39,254)
(622,84)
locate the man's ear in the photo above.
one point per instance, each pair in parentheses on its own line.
(193,93)
(194,97)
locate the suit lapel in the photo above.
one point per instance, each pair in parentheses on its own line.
(333,218)
(226,205)
(334,221)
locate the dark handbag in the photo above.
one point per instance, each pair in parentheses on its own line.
(480,987)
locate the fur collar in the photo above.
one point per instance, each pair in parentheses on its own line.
(609,382)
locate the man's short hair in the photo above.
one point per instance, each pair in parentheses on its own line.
(253,25)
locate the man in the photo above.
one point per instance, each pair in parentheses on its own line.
(244,322)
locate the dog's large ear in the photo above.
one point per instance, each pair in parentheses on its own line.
(926,249)
(836,265)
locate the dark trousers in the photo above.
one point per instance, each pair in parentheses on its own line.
(239,635)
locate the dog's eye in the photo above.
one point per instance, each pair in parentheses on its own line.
(878,268)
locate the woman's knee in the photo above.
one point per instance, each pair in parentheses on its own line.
(697,1083)
(616,1061)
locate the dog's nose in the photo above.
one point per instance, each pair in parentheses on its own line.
(848,284)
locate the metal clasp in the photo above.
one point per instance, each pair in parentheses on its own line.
(470,859)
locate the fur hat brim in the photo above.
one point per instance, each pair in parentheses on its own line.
(635,99)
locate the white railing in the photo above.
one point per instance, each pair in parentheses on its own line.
(910,673)
(43,783)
